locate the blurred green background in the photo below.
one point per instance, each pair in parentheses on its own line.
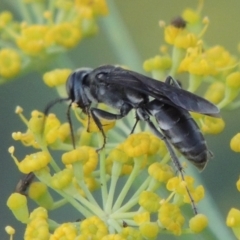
(141,18)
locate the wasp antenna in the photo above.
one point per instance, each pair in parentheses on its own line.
(52,103)
(49,106)
(70,123)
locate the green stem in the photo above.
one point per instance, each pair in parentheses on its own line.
(59,203)
(116,170)
(20,5)
(79,175)
(120,39)
(128,184)
(103,176)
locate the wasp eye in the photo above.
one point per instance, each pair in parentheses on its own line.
(101,76)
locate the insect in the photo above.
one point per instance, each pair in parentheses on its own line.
(24,183)
(126,90)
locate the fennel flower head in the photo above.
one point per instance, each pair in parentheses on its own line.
(130,189)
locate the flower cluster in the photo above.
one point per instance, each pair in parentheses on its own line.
(46,28)
(142,197)
(147,212)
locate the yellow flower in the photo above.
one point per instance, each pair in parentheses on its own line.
(18,205)
(38,227)
(220,57)
(233,80)
(142,217)
(177,185)
(235,143)
(56,77)
(89,9)
(10,63)
(238,184)
(233,221)
(94,228)
(171,218)
(38,191)
(157,63)
(160,172)
(33,162)
(131,233)
(212,125)
(150,201)
(64,34)
(198,223)
(140,144)
(215,92)
(5,18)
(86,155)
(149,229)
(62,179)
(32,40)
(65,231)
(191,16)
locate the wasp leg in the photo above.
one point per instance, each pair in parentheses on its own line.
(97,114)
(171,81)
(143,115)
(135,124)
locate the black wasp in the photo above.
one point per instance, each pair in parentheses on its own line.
(126,90)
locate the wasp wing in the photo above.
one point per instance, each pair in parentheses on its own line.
(159,90)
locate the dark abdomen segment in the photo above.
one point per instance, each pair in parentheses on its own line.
(182,131)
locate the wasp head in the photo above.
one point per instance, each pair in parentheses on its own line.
(75,87)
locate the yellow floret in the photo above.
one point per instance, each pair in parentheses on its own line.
(86,155)
(38,191)
(34,162)
(149,230)
(93,227)
(198,223)
(10,63)
(160,172)
(150,201)
(56,77)
(18,205)
(212,125)
(66,231)
(62,179)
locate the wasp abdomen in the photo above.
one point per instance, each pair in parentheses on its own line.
(182,131)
